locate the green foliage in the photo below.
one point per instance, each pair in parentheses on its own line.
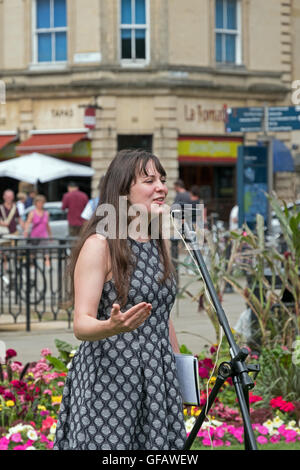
(279,375)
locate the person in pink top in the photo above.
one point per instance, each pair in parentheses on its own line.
(39,219)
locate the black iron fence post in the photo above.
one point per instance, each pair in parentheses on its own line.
(27,289)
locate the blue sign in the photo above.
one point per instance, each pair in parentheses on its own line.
(252,184)
(252,119)
(284,118)
(244,119)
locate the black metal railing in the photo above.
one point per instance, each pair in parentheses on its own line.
(34,281)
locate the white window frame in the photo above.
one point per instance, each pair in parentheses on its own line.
(52,30)
(236,32)
(135,62)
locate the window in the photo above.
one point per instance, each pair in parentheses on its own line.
(227,30)
(134,31)
(50,33)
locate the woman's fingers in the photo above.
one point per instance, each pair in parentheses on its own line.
(133,317)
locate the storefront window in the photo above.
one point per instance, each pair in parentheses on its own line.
(50,38)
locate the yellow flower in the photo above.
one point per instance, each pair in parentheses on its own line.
(185,412)
(41,407)
(56,400)
(10,403)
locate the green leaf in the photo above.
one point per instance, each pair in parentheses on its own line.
(63,346)
(57,363)
(184,350)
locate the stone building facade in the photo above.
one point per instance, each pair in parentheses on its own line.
(161,74)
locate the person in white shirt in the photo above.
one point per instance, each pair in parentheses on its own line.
(21,198)
(92,204)
(234,218)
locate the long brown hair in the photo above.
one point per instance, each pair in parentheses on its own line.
(117,181)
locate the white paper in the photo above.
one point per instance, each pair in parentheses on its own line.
(188,377)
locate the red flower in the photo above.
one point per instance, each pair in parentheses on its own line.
(8,395)
(47,423)
(10,353)
(203,372)
(283,405)
(208,363)
(254,398)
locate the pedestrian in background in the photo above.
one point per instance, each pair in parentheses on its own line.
(182,195)
(234,218)
(9,214)
(39,221)
(74,201)
(30,198)
(92,204)
(21,198)
(195,196)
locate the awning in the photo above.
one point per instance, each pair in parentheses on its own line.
(51,143)
(8,142)
(6,139)
(282,157)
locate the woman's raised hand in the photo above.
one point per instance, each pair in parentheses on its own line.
(122,322)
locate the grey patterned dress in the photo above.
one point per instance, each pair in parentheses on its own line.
(122,393)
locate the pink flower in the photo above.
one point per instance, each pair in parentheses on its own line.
(4,443)
(206,441)
(47,392)
(219,432)
(46,352)
(20,447)
(263,430)
(262,440)
(275,438)
(16,437)
(218,443)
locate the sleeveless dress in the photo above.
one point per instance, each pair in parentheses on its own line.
(122,392)
(39,225)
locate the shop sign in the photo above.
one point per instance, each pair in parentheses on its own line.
(90,117)
(198,113)
(213,149)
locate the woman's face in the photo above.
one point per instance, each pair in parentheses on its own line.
(39,204)
(150,191)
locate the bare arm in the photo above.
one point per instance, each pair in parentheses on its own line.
(173,338)
(90,273)
(27,223)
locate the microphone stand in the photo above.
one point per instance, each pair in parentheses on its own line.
(235,368)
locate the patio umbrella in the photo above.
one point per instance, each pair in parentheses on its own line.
(37,167)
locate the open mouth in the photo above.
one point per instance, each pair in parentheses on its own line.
(159,200)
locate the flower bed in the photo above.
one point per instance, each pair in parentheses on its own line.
(219,434)
(30,397)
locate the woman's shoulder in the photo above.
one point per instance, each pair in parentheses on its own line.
(97,244)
